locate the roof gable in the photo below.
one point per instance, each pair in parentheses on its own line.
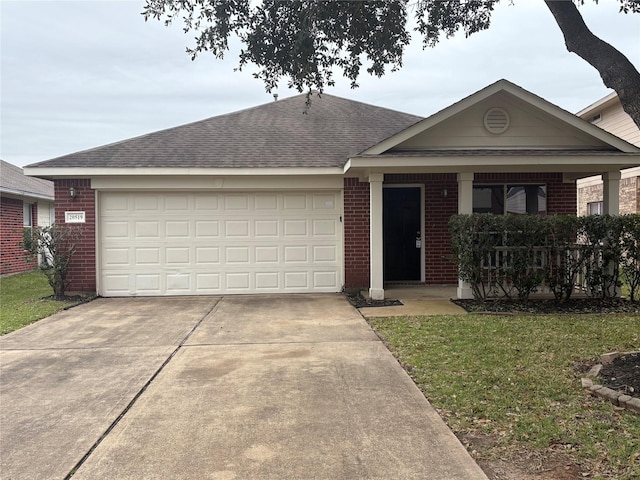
(533,123)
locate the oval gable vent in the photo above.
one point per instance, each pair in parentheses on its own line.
(496,120)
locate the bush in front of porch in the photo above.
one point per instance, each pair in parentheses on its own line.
(507,255)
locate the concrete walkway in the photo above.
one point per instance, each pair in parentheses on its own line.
(228,388)
(417,300)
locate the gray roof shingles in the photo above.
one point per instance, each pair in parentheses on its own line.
(276,134)
(13,180)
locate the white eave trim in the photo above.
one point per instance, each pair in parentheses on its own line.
(28,195)
(83,172)
(458,163)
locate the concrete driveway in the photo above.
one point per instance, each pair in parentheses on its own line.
(237,387)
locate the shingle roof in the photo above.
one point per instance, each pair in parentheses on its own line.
(276,134)
(13,181)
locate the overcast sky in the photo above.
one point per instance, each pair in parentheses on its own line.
(80,74)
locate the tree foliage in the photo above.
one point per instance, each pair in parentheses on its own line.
(306,41)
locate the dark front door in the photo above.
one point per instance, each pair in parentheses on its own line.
(401,226)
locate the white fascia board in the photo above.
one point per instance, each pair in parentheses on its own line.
(600,104)
(533,163)
(84,172)
(26,195)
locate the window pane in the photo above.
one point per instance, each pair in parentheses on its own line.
(526,199)
(594,208)
(26,210)
(488,199)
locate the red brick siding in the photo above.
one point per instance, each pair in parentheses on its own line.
(356,233)
(82,271)
(439,269)
(12,254)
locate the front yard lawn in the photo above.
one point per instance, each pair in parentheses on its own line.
(24,298)
(509,387)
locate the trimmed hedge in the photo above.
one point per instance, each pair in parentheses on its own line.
(509,255)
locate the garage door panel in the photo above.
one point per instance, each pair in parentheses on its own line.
(295,202)
(207,255)
(147,229)
(267,254)
(116,257)
(178,256)
(324,227)
(207,228)
(237,228)
(115,229)
(236,203)
(266,228)
(206,203)
(177,229)
(148,283)
(324,253)
(295,228)
(324,279)
(265,202)
(217,243)
(145,203)
(176,203)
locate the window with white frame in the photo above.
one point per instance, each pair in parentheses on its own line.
(594,208)
(27,213)
(517,199)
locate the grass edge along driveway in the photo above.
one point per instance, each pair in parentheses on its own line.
(514,381)
(25,298)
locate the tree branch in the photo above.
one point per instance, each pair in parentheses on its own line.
(616,70)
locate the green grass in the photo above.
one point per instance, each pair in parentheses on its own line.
(514,378)
(23,300)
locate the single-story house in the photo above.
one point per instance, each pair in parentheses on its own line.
(280,198)
(608,114)
(24,202)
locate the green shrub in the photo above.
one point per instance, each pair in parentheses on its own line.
(510,254)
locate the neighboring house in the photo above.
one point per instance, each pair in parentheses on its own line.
(607,113)
(272,199)
(24,202)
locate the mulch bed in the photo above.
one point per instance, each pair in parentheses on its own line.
(359,301)
(623,374)
(550,306)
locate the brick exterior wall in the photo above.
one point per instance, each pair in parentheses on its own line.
(12,254)
(439,268)
(629,196)
(82,271)
(356,233)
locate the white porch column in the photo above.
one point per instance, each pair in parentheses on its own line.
(376,279)
(465,206)
(611,193)
(611,202)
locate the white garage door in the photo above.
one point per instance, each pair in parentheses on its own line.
(168,243)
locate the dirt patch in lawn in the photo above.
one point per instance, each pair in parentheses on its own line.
(550,464)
